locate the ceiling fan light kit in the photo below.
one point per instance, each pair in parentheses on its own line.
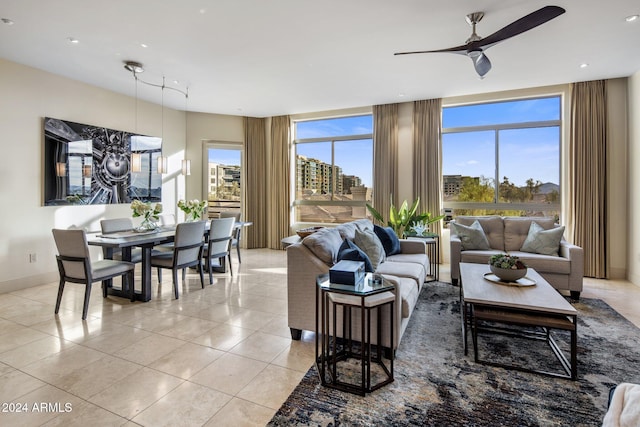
(475,45)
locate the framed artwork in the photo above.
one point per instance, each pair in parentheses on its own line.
(88,165)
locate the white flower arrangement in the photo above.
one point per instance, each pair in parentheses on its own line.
(193,209)
(151,214)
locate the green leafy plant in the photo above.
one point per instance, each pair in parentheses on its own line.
(405,217)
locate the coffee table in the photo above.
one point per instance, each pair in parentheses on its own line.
(487,303)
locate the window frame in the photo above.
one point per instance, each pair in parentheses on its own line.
(295,202)
(497,128)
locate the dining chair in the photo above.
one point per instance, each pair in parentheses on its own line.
(237,231)
(117,225)
(219,244)
(75,266)
(187,252)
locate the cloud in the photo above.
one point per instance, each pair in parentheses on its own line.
(473,162)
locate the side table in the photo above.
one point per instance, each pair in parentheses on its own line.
(432,240)
(332,352)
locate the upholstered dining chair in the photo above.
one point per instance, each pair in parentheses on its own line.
(75,266)
(116,225)
(237,231)
(219,244)
(187,252)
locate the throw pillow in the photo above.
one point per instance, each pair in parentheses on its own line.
(371,245)
(471,237)
(349,251)
(388,238)
(541,241)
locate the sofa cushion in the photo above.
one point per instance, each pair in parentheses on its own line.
(363,224)
(324,244)
(478,257)
(471,237)
(420,259)
(541,241)
(516,230)
(388,238)
(371,245)
(404,269)
(349,251)
(493,227)
(545,263)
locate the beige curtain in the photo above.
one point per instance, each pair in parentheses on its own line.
(427,158)
(385,157)
(255,208)
(279,198)
(588,175)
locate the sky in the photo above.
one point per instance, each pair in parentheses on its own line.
(523,153)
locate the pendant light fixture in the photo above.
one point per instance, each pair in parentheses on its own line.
(135,68)
(163,163)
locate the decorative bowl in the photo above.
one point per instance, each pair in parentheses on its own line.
(508,274)
(304,232)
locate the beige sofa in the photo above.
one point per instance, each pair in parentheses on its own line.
(507,235)
(317,253)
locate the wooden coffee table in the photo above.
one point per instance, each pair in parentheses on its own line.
(539,306)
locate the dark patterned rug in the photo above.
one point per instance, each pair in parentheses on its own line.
(437,385)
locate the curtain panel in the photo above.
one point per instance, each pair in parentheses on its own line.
(385,157)
(279,182)
(255,208)
(427,158)
(588,175)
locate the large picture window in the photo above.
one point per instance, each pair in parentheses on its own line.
(502,158)
(333,161)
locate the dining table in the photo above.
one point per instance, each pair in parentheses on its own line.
(125,241)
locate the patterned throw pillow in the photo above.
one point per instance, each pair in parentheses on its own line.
(349,251)
(371,245)
(541,241)
(471,237)
(388,238)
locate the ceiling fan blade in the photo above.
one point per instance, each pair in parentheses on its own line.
(458,49)
(480,62)
(523,24)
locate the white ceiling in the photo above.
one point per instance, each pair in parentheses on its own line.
(273,57)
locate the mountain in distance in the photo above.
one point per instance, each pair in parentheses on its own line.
(548,187)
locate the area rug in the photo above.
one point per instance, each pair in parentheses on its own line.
(437,385)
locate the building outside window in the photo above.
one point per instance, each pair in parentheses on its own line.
(224,172)
(502,158)
(333,160)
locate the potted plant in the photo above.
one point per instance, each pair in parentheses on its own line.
(405,218)
(507,267)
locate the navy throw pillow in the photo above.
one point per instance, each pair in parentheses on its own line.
(350,252)
(390,241)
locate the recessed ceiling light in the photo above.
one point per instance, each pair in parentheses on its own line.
(203,11)
(632,18)
(584,65)
(144,45)
(73,40)
(7,21)
(401,95)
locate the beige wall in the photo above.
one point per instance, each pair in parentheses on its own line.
(29,95)
(633,225)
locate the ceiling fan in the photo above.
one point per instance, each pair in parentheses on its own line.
(475,46)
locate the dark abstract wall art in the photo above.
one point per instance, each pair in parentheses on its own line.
(86,164)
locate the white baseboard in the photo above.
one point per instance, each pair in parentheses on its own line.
(28,282)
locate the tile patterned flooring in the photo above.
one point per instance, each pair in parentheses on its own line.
(215,357)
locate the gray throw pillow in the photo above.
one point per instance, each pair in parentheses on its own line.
(472,237)
(370,245)
(541,241)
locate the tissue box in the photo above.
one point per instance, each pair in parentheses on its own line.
(347,272)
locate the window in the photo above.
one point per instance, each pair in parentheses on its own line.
(333,161)
(224,183)
(502,158)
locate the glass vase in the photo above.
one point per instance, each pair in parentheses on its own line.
(148,224)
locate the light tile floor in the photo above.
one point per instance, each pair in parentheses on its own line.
(215,357)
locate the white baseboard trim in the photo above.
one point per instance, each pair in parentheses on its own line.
(28,282)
